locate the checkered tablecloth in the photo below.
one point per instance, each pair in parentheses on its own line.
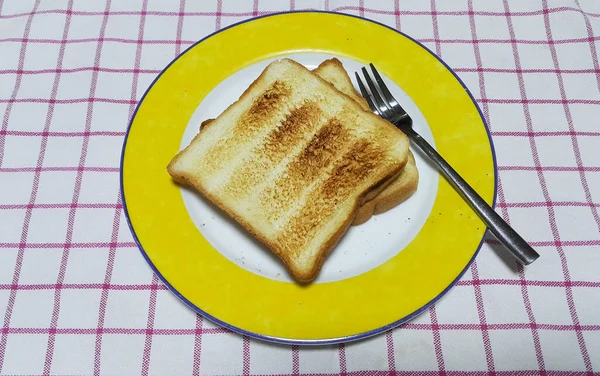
(77,298)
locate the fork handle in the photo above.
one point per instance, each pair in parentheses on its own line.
(503,232)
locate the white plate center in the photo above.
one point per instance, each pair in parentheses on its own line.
(363,247)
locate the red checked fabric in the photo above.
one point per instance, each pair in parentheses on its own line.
(76,297)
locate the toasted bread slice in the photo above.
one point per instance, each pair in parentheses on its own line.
(291,161)
(401,186)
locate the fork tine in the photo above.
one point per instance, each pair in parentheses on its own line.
(366,95)
(381,105)
(384,90)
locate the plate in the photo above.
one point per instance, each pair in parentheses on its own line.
(384,272)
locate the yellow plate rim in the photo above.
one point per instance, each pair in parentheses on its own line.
(284,340)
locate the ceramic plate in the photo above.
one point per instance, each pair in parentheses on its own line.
(382,273)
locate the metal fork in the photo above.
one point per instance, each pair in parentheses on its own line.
(385,105)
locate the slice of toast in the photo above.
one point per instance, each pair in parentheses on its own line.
(403,185)
(291,161)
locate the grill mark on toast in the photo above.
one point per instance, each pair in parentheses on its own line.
(274,149)
(353,169)
(318,154)
(259,116)
(319,151)
(356,166)
(262,110)
(292,129)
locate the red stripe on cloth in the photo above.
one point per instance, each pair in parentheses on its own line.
(389,339)
(218,15)
(67,101)
(28,213)
(295,360)
(26,245)
(126,331)
(78,70)
(546,134)
(149,327)
(540,42)
(138,59)
(132,13)
(342,356)
(540,101)
(132,102)
(557,243)
(437,341)
(246,356)
(542,204)
(101,286)
(60,169)
(138,287)
(106,286)
(569,292)
(489,356)
(83,286)
(529,70)
(544,243)
(436,31)
(95,40)
(180,20)
(60,134)
(422,40)
(397,13)
(548,168)
(511,326)
(326,7)
(213,331)
(58,206)
(529,282)
(465,13)
(197,345)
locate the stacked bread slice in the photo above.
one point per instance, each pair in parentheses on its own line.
(296,160)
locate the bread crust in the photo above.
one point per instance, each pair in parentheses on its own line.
(399,190)
(350,90)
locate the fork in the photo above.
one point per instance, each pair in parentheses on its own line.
(385,105)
